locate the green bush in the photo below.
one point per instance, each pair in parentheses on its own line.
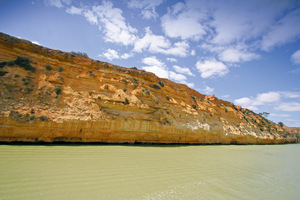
(161,83)
(49,67)
(168,97)
(134,80)
(25,63)
(60,69)
(2,73)
(43,118)
(58,91)
(133,68)
(194,106)
(126,101)
(155,86)
(2,64)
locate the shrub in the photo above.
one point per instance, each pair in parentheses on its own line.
(194,106)
(48,67)
(195,99)
(161,83)
(133,68)
(58,91)
(60,69)
(10,63)
(31,117)
(2,64)
(225,109)
(32,111)
(126,101)
(43,118)
(147,92)
(17,75)
(25,81)
(2,73)
(25,63)
(81,54)
(134,80)
(106,87)
(124,89)
(168,97)
(155,86)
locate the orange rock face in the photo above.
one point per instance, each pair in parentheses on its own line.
(53,96)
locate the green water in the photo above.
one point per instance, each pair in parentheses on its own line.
(150,172)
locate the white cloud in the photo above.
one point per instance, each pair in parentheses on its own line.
(296,57)
(74,11)
(147,7)
(35,42)
(159,68)
(177,77)
(159,44)
(193,52)
(156,66)
(183,70)
(191,85)
(90,17)
(235,55)
(210,68)
(126,55)
(279,115)
(267,98)
(290,106)
(182,22)
(245,102)
(226,96)
(172,59)
(285,30)
(57,3)
(208,90)
(116,29)
(110,54)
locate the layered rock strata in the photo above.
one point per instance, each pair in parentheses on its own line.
(51,96)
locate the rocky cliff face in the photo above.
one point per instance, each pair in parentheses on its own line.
(52,96)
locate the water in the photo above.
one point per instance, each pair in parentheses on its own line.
(150,172)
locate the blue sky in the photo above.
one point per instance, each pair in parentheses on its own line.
(246,52)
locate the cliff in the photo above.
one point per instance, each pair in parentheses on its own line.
(53,96)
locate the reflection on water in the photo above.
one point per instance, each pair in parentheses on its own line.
(150,172)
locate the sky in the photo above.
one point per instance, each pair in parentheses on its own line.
(246,52)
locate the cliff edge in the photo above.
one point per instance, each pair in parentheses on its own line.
(52,96)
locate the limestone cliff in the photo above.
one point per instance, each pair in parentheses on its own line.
(52,96)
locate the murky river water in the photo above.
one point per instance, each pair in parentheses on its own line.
(150,172)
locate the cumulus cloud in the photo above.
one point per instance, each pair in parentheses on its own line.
(110,20)
(245,102)
(159,44)
(172,59)
(147,7)
(296,57)
(285,30)
(183,22)
(208,90)
(278,100)
(110,54)
(289,106)
(159,68)
(236,55)
(177,77)
(211,68)
(57,3)
(35,42)
(155,66)
(183,70)
(74,10)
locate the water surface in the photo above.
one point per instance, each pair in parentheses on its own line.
(150,172)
